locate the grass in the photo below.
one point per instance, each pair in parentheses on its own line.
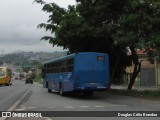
(38,79)
(136,93)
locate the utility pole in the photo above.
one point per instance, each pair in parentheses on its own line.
(156,70)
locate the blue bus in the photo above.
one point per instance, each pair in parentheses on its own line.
(83,72)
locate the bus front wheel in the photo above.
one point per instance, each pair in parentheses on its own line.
(49,90)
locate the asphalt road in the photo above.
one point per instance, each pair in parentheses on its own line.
(10,94)
(38,99)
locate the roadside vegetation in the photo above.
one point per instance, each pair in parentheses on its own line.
(114,27)
(136,93)
(38,78)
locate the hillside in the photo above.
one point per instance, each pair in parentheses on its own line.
(26,57)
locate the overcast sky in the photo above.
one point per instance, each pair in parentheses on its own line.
(18,25)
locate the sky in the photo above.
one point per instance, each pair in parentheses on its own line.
(18,26)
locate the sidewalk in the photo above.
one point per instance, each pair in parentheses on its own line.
(139,88)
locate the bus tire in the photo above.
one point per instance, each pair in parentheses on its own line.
(46,85)
(61,92)
(88,93)
(49,90)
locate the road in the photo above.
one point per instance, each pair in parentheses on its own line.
(11,94)
(38,99)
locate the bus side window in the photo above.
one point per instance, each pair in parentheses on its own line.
(70,68)
(43,73)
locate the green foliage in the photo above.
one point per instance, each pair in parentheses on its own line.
(138,24)
(38,78)
(105,26)
(137,93)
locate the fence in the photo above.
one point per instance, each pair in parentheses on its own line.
(147,77)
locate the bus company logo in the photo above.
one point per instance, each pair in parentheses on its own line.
(21,114)
(6,114)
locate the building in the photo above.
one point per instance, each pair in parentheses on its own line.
(150,71)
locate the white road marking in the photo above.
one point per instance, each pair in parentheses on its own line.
(70,107)
(99,106)
(115,105)
(17,102)
(25,108)
(31,107)
(19,109)
(47,118)
(51,107)
(96,106)
(84,106)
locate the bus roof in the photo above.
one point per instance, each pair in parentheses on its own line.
(59,59)
(70,56)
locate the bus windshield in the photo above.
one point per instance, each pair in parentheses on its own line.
(2,72)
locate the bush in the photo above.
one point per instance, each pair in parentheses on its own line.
(144,93)
(38,78)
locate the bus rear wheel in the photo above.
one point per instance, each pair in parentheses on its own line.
(88,93)
(61,92)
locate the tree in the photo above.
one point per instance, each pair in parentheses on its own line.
(87,27)
(138,27)
(106,26)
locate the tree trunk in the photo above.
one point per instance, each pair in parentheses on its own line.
(115,66)
(137,67)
